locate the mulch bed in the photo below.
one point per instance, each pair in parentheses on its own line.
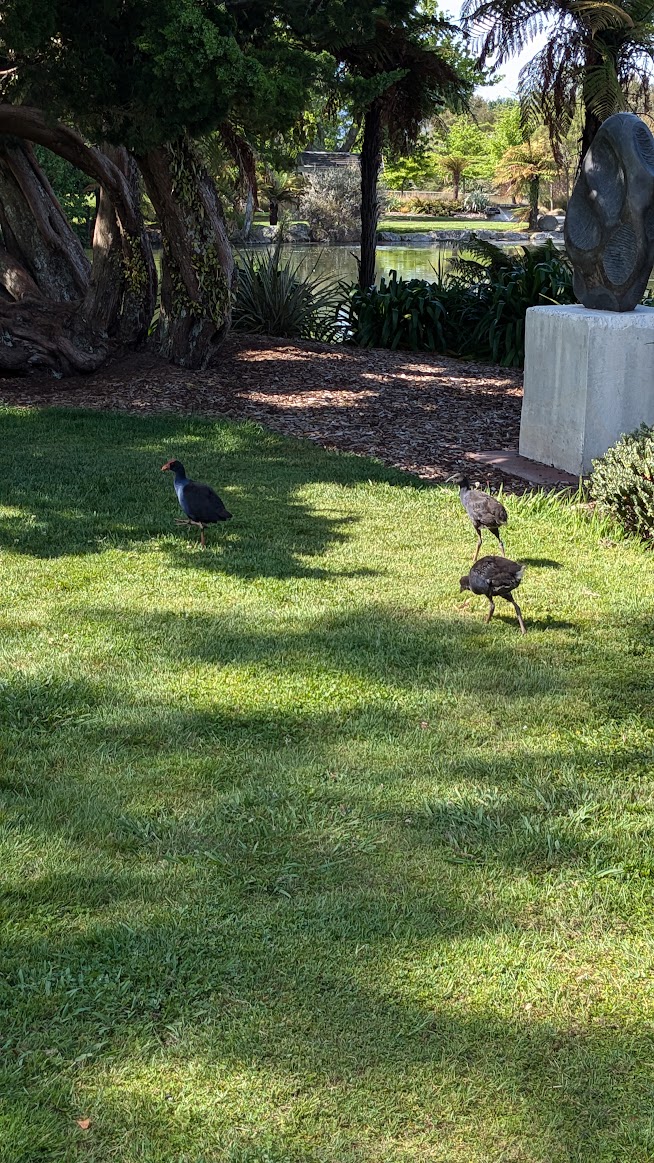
(417,412)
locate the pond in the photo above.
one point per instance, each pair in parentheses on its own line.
(339,262)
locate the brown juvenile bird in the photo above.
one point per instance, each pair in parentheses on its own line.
(484,511)
(496,577)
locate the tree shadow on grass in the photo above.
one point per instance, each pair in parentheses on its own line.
(295,1002)
(80,482)
(541,562)
(208,906)
(400,648)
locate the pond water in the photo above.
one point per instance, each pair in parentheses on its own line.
(339,262)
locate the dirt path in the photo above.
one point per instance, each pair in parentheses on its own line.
(421,413)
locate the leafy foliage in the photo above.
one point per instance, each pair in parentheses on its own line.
(331,203)
(539,275)
(475,201)
(521,170)
(273,298)
(73,189)
(282,188)
(622,482)
(143,73)
(415,170)
(476,311)
(404,313)
(597,55)
(435,207)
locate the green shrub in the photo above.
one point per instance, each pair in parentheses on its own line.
(273,298)
(476,201)
(331,203)
(476,309)
(622,482)
(436,207)
(404,313)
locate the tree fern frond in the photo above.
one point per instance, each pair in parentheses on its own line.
(602,91)
(599,14)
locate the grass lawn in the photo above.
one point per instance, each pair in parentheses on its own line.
(301,862)
(419,223)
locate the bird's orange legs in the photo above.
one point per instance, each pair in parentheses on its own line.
(199,525)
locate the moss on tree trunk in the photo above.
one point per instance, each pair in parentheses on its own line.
(197,266)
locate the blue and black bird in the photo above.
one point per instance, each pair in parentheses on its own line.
(201,505)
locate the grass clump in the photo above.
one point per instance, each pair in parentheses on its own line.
(622,482)
(300,860)
(273,298)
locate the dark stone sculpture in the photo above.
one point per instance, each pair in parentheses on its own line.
(609,224)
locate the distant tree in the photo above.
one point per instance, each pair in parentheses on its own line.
(412,171)
(464,152)
(507,132)
(598,55)
(281,189)
(522,169)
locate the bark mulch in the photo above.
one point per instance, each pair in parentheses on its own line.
(417,412)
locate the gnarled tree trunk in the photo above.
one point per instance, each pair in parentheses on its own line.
(55,314)
(371,160)
(35,229)
(197,266)
(121,296)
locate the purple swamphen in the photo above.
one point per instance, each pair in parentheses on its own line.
(201,505)
(496,577)
(483,510)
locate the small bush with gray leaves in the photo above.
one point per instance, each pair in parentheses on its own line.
(622,482)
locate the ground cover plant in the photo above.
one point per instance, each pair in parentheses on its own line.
(475,309)
(622,482)
(301,861)
(274,298)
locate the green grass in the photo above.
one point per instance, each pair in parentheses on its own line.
(301,862)
(419,223)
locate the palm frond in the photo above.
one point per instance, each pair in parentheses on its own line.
(504,28)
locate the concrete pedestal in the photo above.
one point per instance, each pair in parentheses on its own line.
(589,377)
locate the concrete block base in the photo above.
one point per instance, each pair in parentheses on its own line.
(589,378)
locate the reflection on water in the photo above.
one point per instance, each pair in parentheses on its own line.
(339,262)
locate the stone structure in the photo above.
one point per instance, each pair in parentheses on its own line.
(312,160)
(609,225)
(588,379)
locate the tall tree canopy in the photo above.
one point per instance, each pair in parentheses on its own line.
(120,91)
(400,77)
(598,54)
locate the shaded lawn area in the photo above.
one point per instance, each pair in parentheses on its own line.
(300,860)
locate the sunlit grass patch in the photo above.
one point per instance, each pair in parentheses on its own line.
(300,860)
